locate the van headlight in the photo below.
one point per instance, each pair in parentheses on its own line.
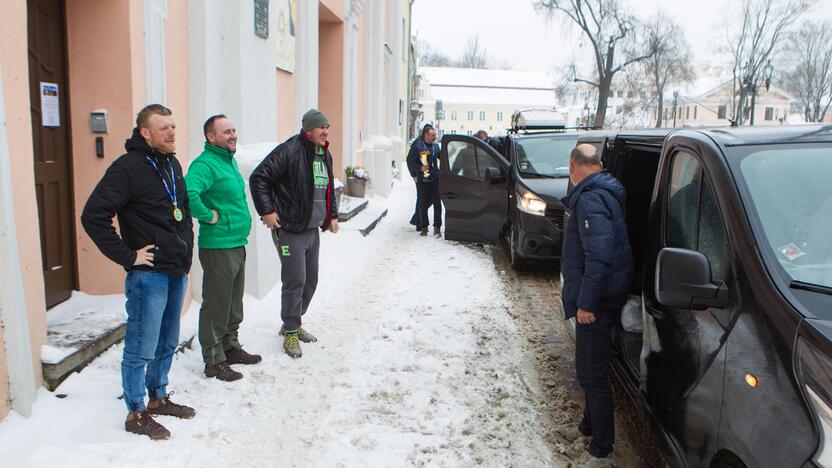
(530,203)
(815,372)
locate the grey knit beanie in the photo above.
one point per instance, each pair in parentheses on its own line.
(313,118)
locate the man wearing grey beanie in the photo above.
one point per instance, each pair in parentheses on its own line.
(293,193)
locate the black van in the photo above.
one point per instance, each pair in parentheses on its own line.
(731,231)
(508,188)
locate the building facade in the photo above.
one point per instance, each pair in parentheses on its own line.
(479,99)
(67,66)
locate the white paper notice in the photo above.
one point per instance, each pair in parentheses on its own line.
(50,105)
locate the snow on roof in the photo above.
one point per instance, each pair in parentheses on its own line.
(486,77)
(484,86)
(497,97)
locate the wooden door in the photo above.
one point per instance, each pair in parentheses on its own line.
(52,152)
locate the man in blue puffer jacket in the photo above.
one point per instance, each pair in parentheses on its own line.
(597,267)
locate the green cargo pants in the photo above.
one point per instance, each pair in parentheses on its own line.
(221,313)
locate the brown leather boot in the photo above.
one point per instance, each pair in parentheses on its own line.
(164,407)
(222,372)
(437,231)
(142,423)
(240,356)
(423,232)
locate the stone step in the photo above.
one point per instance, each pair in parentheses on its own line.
(348,207)
(78,331)
(367,220)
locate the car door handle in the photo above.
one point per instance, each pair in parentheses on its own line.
(450,195)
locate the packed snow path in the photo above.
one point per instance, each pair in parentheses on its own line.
(418,363)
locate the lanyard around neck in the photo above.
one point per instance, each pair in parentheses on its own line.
(171,194)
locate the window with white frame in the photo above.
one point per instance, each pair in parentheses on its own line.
(482,115)
(453,115)
(470,115)
(499,116)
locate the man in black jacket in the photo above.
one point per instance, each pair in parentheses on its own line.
(426,177)
(292,190)
(146,190)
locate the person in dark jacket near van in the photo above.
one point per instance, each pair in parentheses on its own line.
(427,186)
(597,268)
(293,193)
(146,191)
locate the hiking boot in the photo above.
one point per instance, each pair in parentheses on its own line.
(587,460)
(222,372)
(142,423)
(292,346)
(164,407)
(423,232)
(303,335)
(240,356)
(437,232)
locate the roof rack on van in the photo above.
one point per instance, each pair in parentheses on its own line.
(540,119)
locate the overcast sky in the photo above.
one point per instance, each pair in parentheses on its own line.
(512,31)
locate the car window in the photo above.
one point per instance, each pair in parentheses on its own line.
(693,220)
(794,212)
(683,201)
(462,160)
(547,156)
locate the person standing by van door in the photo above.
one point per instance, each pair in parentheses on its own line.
(154,244)
(423,164)
(421,144)
(218,200)
(597,267)
(293,193)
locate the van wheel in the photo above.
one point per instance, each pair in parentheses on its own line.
(517,264)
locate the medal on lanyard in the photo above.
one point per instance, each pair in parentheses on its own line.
(177,213)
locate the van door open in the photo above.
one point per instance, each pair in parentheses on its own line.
(473,186)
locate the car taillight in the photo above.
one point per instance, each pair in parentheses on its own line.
(815,373)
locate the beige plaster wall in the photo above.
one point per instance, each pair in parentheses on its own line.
(361,44)
(331,85)
(15,69)
(95,83)
(286,105)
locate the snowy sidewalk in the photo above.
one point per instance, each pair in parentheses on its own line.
(417,363)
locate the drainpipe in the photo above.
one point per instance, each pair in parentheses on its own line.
(13,314)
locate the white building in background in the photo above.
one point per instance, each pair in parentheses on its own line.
(480,99)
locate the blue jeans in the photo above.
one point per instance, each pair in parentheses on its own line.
(592,362)
(154,305)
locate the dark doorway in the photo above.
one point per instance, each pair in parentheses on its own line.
(50,136)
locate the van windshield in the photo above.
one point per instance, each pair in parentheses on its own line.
(790,194)
(546,156)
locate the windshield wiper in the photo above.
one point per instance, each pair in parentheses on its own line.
(818,288)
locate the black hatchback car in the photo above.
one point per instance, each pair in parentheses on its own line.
(731,232)
(508,188)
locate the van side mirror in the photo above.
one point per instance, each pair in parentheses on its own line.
(494,176)
(683,280)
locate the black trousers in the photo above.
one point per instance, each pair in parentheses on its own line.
(428,194)
(592,364)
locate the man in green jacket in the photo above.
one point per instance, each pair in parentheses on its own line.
(218,201)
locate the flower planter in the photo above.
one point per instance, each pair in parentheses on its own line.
(355,187)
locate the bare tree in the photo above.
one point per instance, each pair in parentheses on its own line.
(427,56)
(765,23)
(474,55)
(809,56)
(611,32)
(671,60)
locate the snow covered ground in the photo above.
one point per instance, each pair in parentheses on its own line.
(418,364)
